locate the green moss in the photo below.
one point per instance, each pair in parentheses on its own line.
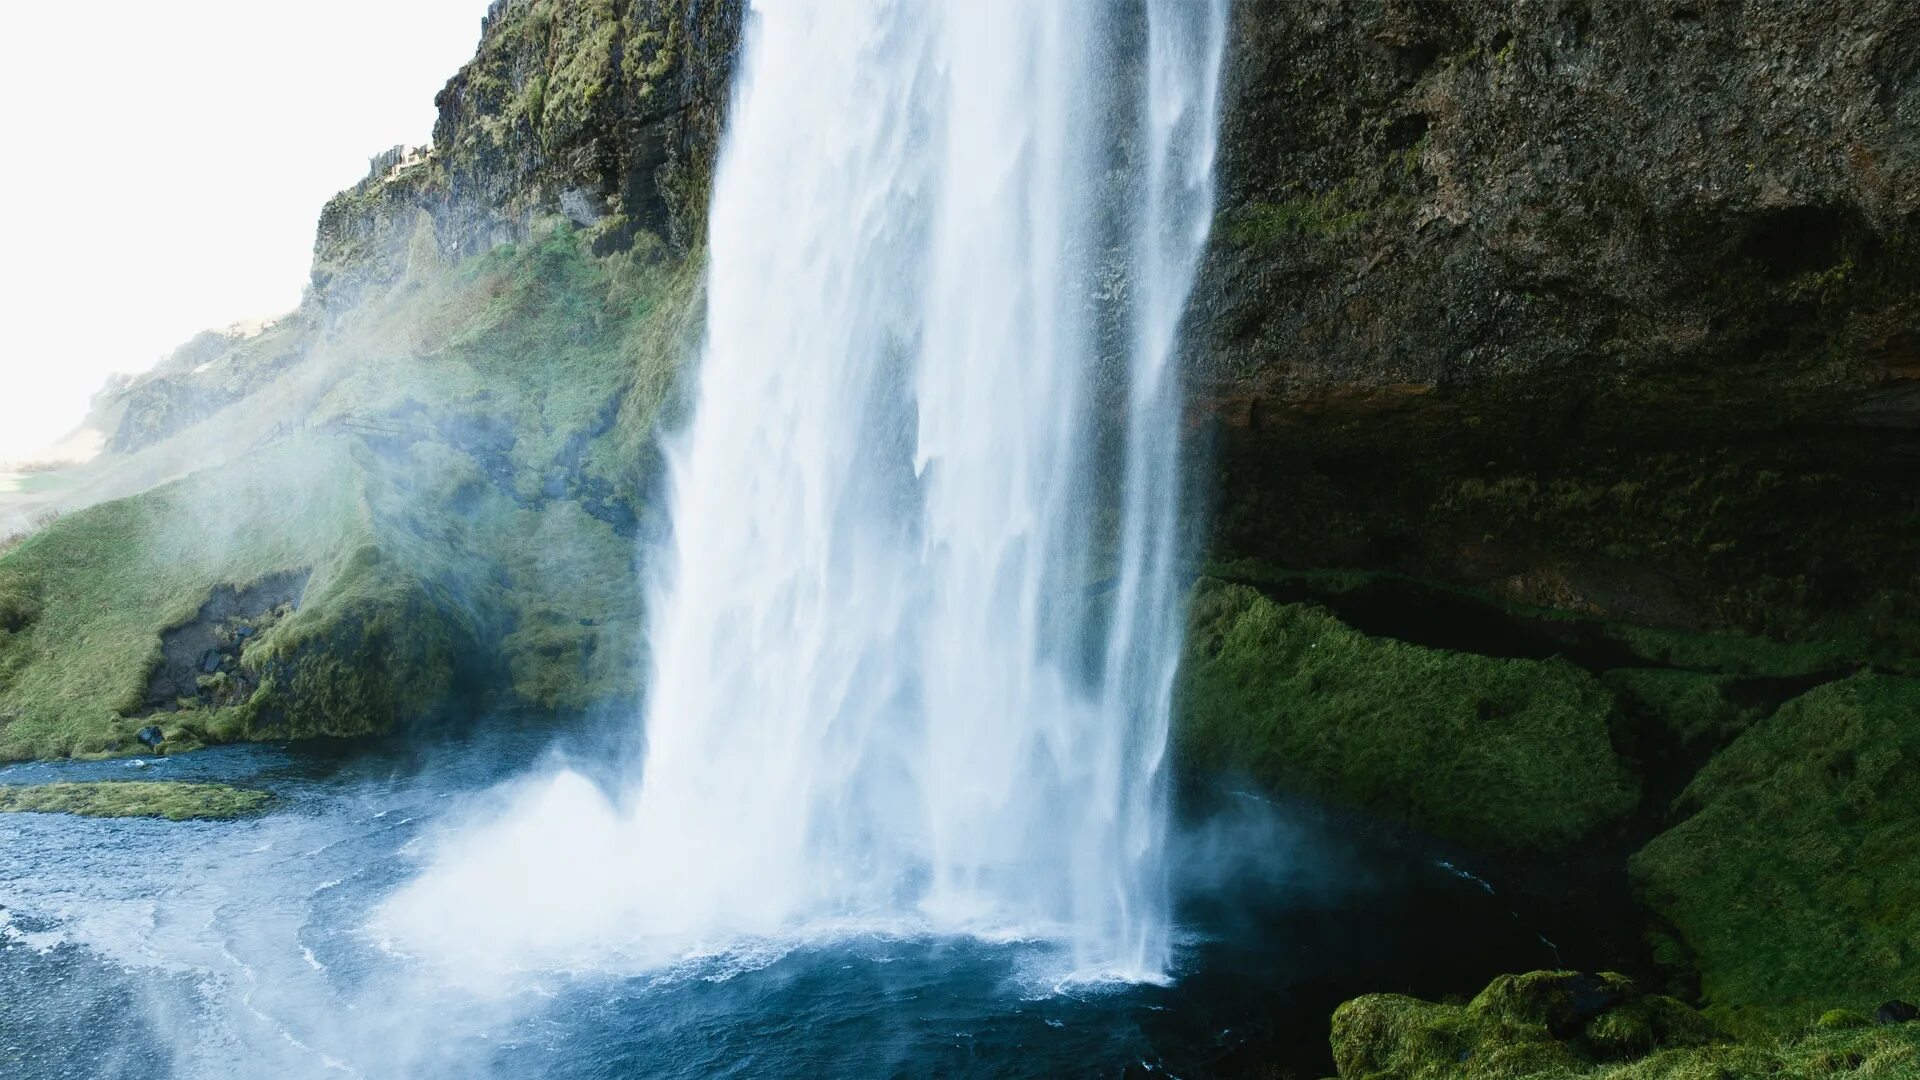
(375,648)
(1563,1026)
(1795,882)
(1842,1019)
(105,582)
(174,801)
(1738,654)
(1261,225)
(1507,754)
(1691,708)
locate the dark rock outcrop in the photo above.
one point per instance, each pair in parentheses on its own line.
(1672,203)
(606,112)
(1602,306)
(200,659)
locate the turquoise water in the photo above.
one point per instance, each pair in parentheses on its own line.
(241,949)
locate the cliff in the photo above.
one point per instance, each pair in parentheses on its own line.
(1609,307)
(1567,353)
(606,113)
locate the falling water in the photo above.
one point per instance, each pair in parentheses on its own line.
(913,644)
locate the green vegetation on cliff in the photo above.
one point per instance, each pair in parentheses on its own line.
(1795,883)
(83,603)
(173,800)
(1568,1026)
(1505,754)
(457,472)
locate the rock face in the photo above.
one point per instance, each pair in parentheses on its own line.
(211,643)
(1614,309)
(1576,301)
(1571,201)
(606,111)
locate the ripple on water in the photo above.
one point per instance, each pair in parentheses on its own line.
(155,949)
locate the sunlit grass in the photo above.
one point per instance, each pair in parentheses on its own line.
(175,801)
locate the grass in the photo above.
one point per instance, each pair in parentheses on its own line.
(1738,654)
(175,801)
(1566,1026)
(1794,884)
(84,602)
(460,560)
(1505,754)
(1787,878)
(1692,708)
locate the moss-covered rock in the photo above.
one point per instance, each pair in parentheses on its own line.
(1688,708)
(173,800)
(1506,754)
(1568,1026)
(607,113)
(1794,882)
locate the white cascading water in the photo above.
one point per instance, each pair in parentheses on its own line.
(913,646)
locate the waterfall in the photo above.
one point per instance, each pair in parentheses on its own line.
(912,646)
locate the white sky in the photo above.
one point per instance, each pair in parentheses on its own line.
(163,166)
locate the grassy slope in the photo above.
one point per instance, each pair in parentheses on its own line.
(450,440)
(83,603)
(1795,884)
(1508,754)
(1787,880)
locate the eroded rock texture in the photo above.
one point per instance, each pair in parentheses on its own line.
(1608,306)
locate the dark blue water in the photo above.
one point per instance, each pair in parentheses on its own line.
(241,949)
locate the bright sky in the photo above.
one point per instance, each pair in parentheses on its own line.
(165,163)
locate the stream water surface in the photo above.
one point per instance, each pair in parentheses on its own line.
(142,948)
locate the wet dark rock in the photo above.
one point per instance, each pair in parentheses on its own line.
(1896,1012)
(623,140)
(151,735)
(1450,326)
(200,659)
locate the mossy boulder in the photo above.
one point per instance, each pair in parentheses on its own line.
(1570,1026)
(1503,754)
(1793,884)
(1539,1024)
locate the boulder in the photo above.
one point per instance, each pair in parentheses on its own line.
(1896,1012)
